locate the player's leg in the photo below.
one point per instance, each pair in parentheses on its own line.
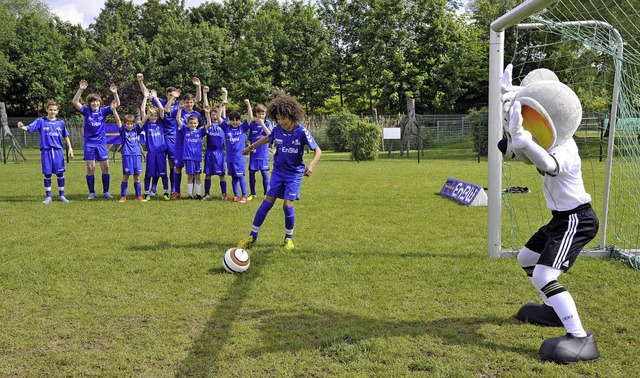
(124,185)
(59,169)
(46,158)
(90,160)
(103,157)
(291,193)
(265,178)
(252,183)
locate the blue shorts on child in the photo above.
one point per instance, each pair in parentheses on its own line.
(192,167)
(52,161)
(131,164)
(156,165)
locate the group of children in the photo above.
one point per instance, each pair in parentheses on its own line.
(174,131)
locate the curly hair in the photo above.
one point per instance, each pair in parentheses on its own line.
(285,106)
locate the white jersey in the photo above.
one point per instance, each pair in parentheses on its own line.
(565,190)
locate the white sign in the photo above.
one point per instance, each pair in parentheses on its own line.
(391,133)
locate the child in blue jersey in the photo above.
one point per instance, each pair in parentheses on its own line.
(131,154)
(259,157)
(52,132)
(214,154)
(192,149)
(95,140)
(185,111)
(156,163)
(236,138)
(290,139)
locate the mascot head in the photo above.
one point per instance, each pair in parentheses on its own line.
(551,111)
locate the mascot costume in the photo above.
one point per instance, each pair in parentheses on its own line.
(541,116)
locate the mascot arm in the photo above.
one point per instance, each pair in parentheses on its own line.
(522,141)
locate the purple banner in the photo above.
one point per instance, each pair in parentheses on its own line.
(461,191)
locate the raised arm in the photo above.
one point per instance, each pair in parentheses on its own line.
(179,115)
(76,98)
(114,109)
(114,89)
(205,96)
(172,98)
(140,80)
(207,112)
(223,105)
(197,83)
(249,110)
(143,108)
(266,130)
(154,96)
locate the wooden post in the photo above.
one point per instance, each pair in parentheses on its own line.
(15,148)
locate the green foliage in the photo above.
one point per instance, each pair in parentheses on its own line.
(479,120)
(364,141)
(337,130)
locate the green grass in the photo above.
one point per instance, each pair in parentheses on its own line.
(388,279)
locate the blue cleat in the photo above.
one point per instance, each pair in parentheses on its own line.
(107,195)
(92,196)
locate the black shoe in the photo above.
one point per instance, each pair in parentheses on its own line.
(567,349)
(539,314)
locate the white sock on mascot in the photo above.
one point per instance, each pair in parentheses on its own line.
(541,116)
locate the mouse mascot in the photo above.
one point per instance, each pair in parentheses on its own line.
(541,116)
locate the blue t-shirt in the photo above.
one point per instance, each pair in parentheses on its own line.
(95,124)
(154,132)
(215,137)
(236,140)
(52,132)
(170,123)
(185,126)
(130,141)
(290,148)
(256,133)
(192,143)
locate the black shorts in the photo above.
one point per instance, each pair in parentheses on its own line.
(560,241)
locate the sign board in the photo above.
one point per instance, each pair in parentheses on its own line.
(391,133)
(113,134)
(464,192)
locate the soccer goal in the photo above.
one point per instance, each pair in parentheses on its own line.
(593,46)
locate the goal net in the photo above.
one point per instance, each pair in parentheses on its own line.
(593,47)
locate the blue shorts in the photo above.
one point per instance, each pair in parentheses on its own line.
(131,164)
(177,159)
(214,162)
(258,164)
(156,165)
(236,168)
(193,167)
(52,161)
(285,186)
(93,152)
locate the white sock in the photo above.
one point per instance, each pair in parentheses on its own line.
(190,188)
(565,307)
(198,189)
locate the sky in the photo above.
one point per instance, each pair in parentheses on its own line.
(85,11)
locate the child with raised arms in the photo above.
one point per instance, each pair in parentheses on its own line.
(214,154)
(290,139)
(131,154)
(259,157)
(156,163)
(52,133)
(95,139)
(192,149)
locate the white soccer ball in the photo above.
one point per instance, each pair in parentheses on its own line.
(236,260)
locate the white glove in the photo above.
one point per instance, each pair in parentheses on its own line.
(520,138)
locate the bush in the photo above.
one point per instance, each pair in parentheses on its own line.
(364,141)
(480,127)
(337,130)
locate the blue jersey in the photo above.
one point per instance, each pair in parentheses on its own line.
(185,126)
(52,132)
(236,139)
(170,123)
(154,132)
(95,124)
(290,148)
(130,141)
(215,137)
(256,133)
(192,143)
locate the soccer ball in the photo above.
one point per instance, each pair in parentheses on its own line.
(236,260)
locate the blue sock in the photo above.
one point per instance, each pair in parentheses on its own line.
(259,218)
(265,180)
(47,185)
(223,186)
(207,186)
(154,184)
(123,188)
(252,182)
(289,221)
(165,183)
(235,184)
(61,185)
(172,179)
(137,188)
(243,186)
(147,182)
(106,178)
(91,182)
(177,181)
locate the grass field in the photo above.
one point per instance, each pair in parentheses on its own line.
(389,279)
